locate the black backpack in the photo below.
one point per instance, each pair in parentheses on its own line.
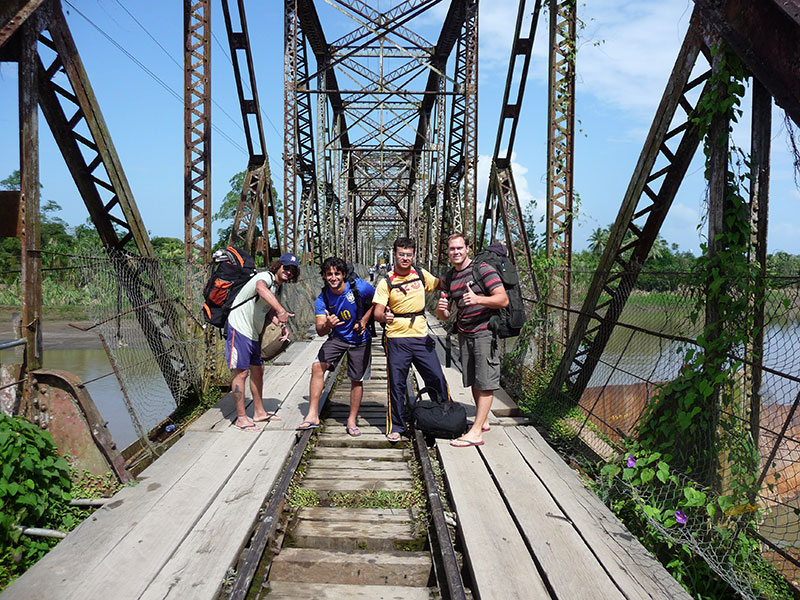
(438,419)
(351,277)
(505,322)
(232,269)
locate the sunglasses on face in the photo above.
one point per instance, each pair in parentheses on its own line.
(291,269)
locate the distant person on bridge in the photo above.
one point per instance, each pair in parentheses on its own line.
(400,304)
(480,360)
(245,327)
(343,314)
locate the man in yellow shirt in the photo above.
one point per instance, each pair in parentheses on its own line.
(400,304)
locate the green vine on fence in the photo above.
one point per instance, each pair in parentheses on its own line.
(693,463)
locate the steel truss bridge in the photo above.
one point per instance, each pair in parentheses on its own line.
(380,140)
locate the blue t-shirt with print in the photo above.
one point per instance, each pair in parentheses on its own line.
(344,306)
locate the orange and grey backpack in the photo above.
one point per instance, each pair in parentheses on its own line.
(232,269)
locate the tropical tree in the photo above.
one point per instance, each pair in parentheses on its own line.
(598,240)
(227,210)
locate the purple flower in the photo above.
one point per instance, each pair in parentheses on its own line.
(631,461)
(681,517)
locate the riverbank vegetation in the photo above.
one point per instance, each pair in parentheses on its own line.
(36,487)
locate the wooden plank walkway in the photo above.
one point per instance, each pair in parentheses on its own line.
(528,526)
(176,533)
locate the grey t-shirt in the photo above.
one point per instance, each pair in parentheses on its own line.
(248,318)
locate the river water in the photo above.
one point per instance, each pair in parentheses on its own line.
(89,364)
(632,356)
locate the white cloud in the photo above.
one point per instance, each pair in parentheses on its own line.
(628,49)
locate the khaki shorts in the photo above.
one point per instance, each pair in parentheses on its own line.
(480,363)
(359,357)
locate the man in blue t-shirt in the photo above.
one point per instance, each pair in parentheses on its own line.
(342,314)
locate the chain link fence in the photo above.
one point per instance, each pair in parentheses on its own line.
(648,348)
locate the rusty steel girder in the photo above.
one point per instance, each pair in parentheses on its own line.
(13,13)
(383,195)
(458,208)
(68,104)
(197,130)
(257,200)
(560,163)
(59,404)
(766,37)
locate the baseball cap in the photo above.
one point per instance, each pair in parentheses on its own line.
(289,259)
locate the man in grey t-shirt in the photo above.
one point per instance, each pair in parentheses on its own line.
(256,304)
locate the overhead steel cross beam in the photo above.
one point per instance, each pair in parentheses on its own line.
(197,130)
(13,13)
(301,224)
(363,115)
(766,37)
(257,197)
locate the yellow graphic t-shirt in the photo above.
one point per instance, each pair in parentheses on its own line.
(410,302)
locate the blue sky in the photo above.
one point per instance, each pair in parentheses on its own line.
(627,49)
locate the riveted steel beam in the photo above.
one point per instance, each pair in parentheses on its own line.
(502,202)
(257,200)
(560,144)
(69,105)
(197,130)
(13,14)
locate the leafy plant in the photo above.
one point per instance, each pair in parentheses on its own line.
(34,488)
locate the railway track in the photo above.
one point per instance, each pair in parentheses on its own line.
(356,517)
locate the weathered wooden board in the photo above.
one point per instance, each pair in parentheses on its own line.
(332,426)
(394,453)
(199,565)
(356,485)
(326,464)
(634,569)
(352,535)
(504,406)
(222,413)
(294,405)
(291,354)
(367,515)
(74,557)
(150,542)
(365,440)
(549,532)
(311,565)
(291,590)
(498,558)
(400,474)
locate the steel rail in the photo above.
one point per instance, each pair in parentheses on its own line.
(269,520)
(450,583)
(449,579)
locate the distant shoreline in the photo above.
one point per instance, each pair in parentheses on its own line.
(57,334)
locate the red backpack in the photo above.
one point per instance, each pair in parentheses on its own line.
(233,268)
